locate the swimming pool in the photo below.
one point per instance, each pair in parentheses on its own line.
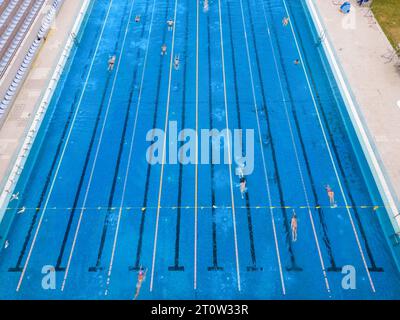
(97,212)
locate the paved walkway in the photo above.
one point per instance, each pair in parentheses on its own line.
(20,118)
(360,46)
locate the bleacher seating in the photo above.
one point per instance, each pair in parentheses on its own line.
(16,29)
(19,15)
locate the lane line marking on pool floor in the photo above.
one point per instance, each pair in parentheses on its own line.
(299,167)
(196,148)
(358,123)
(262,150)
(65,147)
(98,147)
(129,162)
(196,205)
(164,151)
(229,148)
(330,152)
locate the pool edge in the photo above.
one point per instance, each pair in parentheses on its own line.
(33,127)
(376,165)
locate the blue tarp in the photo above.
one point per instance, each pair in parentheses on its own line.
(345,7)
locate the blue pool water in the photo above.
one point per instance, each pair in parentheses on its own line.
(97,212)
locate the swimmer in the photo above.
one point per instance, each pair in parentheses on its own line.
(111,63)
(293,225)
(15,196)
(176,62)
(205,6)
(296,62)
(243,188)
(164,49)
(331,196)
(6,244)
(170,24)
(22,210)
(285,21)
(239,171)
(141,277)
(137,19)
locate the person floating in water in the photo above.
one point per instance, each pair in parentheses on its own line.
(170,24)
(331,196)
(141,278)
(243,187)
(164,49)
(285,21)
(137,19)
(293,225)
(6,244)
(296,62)
(176,62)
(205,6)
(111,63)
(15,196)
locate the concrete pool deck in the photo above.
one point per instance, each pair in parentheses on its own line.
(27,104)
(361,47)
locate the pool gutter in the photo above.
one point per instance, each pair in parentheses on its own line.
(376,164)
(11,181)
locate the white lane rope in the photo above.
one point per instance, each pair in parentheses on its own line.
(64,148)
(229,148)
(128,165)
(164,151)
(300,170)
(196,150)
(330,153)
(262,150)
(98,147)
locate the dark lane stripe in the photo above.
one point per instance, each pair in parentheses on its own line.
(88,154)
(18,266)
(215,266)
(253,267)
(176,266)
(373,267)
(137,265)
(120,152)
(293,266)
(320,212)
